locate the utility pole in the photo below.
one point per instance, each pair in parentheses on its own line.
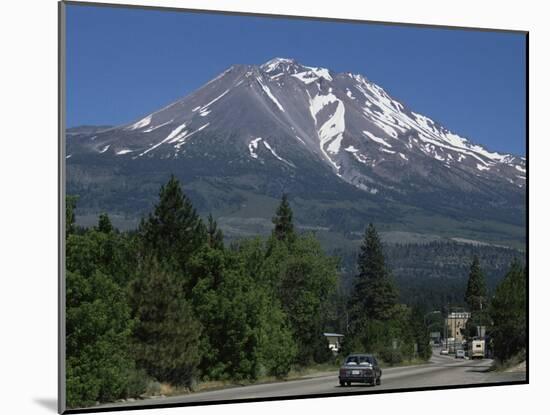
(447,329)
(454,332)
(479,318)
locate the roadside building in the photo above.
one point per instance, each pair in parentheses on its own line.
(455,323)
(334,341)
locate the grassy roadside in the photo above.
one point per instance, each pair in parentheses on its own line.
(203,386)
(515,363)
(295,374)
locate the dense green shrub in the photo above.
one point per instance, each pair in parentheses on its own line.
(98,339)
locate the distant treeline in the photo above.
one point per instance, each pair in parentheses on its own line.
(433,275)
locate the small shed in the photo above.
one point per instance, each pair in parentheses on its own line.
(435,337)
(334,341)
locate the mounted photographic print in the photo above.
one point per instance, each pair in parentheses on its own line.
(260,207)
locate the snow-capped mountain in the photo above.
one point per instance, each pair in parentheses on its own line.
(302,123)
(347,122)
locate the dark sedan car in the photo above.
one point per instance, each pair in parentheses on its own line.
(361,368)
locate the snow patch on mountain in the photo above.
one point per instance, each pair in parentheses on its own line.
(205,107)
(360,158)
(175,133)
(266,145)
(185,136)
(253,146)
(275,63)
(313,74)
(144,122)
(301,141)
(269,94)
(351,149)
(349,94)
(377,139)
(148,130)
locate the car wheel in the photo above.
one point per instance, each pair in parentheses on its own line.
(348,383)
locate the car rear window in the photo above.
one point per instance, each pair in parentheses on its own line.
(359,359)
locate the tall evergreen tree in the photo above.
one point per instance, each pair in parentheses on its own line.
(214,235)
(284,227)
(476,290)
(420,333)
(174,230)
(70,206)
(167,335)
(374,294)
(508,311)
(104,224)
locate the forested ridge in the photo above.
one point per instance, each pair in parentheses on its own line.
(434,275)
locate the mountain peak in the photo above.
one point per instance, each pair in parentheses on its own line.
(307,74)
(276,62)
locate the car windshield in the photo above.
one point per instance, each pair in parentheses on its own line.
(359,360)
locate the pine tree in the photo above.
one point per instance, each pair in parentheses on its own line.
(374,294)
(214,235)
(284,227)
(104,224)
(508,311)
(70,206)
(174,230)
(476,291)
(420,334)
(167,335)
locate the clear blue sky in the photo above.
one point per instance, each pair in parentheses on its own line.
(125,63)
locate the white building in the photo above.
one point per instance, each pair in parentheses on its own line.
(334,341)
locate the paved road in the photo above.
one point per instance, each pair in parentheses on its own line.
(440,371)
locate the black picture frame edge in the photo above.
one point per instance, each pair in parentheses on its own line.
(61,78)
